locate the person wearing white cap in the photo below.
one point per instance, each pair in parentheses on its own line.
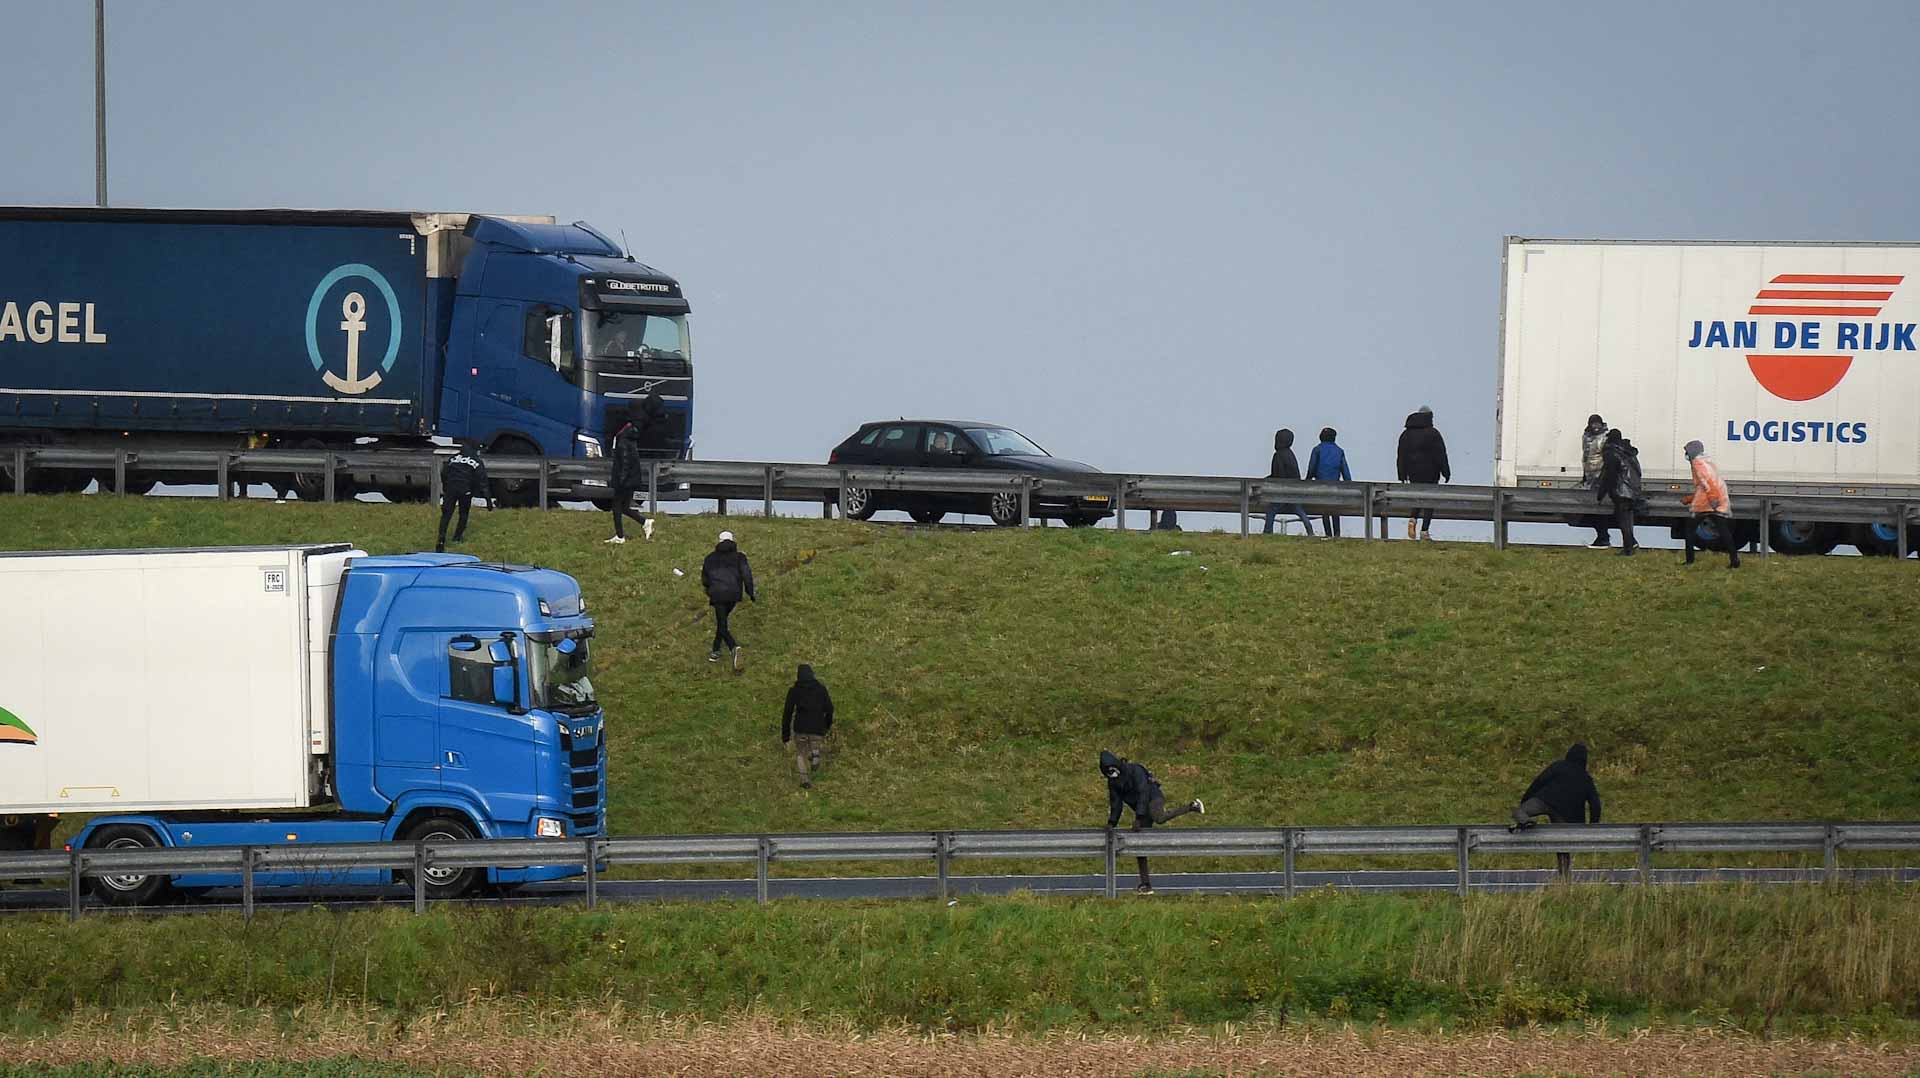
(727,577)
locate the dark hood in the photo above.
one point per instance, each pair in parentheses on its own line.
(1419,420)
(1282,439)
(652,407)
(1578,755)
(725,546)
(806,673)
(1108,759)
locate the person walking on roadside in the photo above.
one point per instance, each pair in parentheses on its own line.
(805,722)
(1328,464)
(1422,458)
(630,469)
(1620,481)
(1285,466)
(727,577)
(1131,785)
(462,476)
(1564,793)
(1710,499)
(1593,444)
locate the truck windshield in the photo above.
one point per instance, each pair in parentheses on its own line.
(1001,442)
(633,335)
(562,681)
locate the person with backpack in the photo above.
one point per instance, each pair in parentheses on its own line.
(1620,481)
(726,576)
(1328,464)
(1285,466)
(462,476)
(806,721)
(1710,499)
(1131,785)
(1422,458)
(629,468)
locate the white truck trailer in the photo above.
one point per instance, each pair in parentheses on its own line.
(1795,363)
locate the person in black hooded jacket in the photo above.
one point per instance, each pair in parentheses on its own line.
(1620,481)
(1131,785)
(808,717)
(1564,793)
(462,476)
(630,465)
(1422,458)
(1285,466)
(726,577)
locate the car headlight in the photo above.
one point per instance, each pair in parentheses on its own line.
(589,446)
(549,827)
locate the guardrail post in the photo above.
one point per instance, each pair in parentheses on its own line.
(246,883)
(73,885)
(19,471)
(1113,880)
(760,870)
(1903,537)
(223,474)
(593,876)
(327,470)
(1766,518)
(1460,852)
(1646,855)
(841,502)
(1289,841)
(942,853)
(1366,512)
(766,509)
(1120,505)
(1246,508)
(1830,847)
(1026,501)
(119,471)
(542,487)
(420,877)
(1499,519)
(653,488)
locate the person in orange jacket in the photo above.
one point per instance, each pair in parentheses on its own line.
(1710,499)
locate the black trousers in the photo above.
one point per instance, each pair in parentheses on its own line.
(1425,517)
(1725,525)
(722,636)
(1623,518)
(1157,812)
(623,507)
(1332,525)
(1525,812)
(448,500)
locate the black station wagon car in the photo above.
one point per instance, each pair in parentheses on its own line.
(947,443)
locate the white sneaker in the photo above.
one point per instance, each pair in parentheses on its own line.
(1199,806)
(646,530)
(617,539)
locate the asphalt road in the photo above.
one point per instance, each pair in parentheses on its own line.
(1165,883)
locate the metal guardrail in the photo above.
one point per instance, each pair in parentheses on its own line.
(942,848)
(827,484)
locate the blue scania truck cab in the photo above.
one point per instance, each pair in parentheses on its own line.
(462,706)
(341,329)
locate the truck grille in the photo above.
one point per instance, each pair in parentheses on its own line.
(587,766)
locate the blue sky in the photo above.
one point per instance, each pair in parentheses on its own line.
(1145,234)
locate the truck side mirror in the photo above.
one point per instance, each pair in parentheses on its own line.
(500,654)
(504,693)
(553,340)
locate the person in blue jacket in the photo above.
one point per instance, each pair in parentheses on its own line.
(1328,463)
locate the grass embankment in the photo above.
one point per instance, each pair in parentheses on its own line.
(1776,960)
(1284,680)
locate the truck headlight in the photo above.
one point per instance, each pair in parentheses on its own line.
(549,827)
(589,446)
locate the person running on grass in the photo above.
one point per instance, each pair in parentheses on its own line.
(805,722)
(1710,500)
(726,577)
(1133,786)
(630,468)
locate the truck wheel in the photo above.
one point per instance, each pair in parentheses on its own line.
(1004,509)
(859,504)
(444,882)
(515,493)
(1874,540)
(1709,534)
(126,890)
(312,486)
(1797,537)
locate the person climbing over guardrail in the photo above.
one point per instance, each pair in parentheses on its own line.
(1563,792)
(1285,466)
(1710,499)
(1328,464)
(805,722)
(1131,785)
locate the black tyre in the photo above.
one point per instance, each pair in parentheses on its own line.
(515,493)
(1875,540)
(405,493)
(927,516)
(312,486)
(1081,520)
(1004,509)
(127,890)
(859,503)
(1797,537)
(444,882)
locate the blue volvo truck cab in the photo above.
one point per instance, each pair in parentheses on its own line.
(462,706)
(336,329)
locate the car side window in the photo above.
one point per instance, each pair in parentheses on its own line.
(896,439)
(469,672)
(869,438)
(941,440)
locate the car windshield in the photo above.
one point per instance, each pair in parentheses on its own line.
(563,680)
(1001,442)
(633,335)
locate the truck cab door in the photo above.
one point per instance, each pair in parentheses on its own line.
(487,751)
(407,716)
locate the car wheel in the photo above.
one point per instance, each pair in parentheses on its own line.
(126,890)
(927,516)
(1080,520)
(444,882)
(858,503)
(1004,509)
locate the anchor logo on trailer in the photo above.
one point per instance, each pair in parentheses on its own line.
(353,324)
